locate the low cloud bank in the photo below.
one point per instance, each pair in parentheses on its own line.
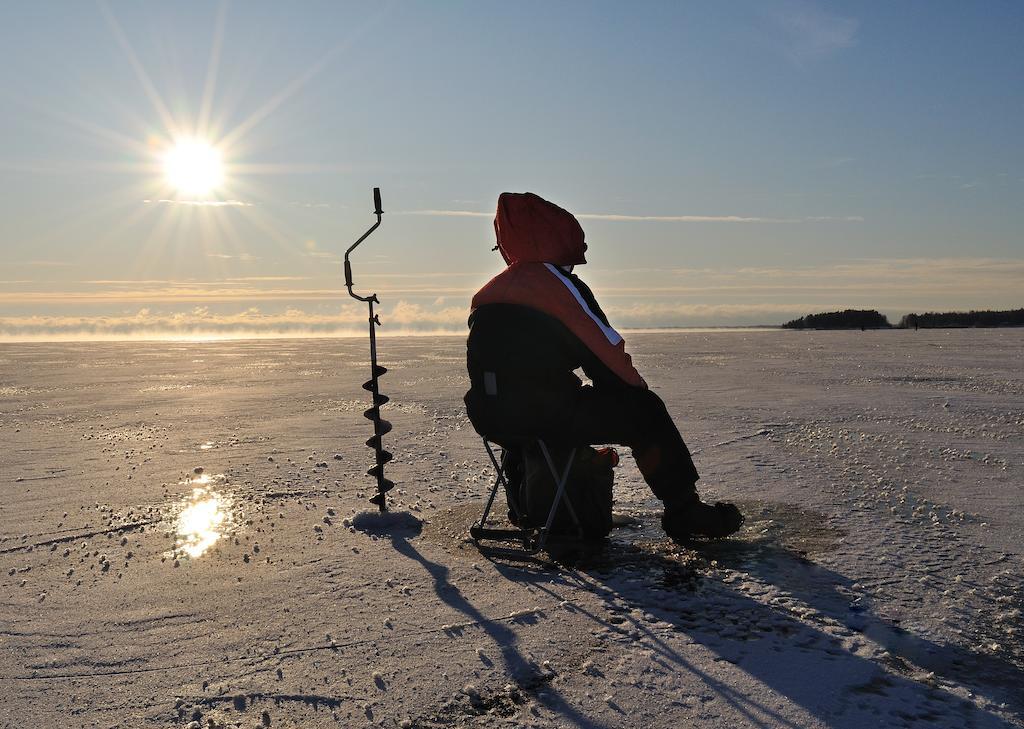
(267,306)
(201,323)
(401,319)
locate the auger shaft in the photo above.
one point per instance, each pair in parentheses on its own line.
(380,426)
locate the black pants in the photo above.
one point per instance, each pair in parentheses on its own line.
(636,418)
(629,416)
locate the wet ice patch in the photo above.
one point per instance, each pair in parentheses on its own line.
(205,515)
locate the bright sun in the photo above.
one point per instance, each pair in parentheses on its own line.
(193,167)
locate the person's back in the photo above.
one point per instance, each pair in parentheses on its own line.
(534,324)
(521,364)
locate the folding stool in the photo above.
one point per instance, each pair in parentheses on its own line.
(532,539)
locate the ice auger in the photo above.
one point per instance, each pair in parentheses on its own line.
(380,426)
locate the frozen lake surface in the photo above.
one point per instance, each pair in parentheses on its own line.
(176,542)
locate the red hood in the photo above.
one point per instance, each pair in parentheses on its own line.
(532,230)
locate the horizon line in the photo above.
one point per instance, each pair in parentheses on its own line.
(250,335)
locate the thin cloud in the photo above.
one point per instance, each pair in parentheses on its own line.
(620,218)
(927,279)
(245,257)
(654,313)
(940,272)
(834,219)
(914,282)
(43,264)
(136,282)
(613,217)
(716,218)
(203,203)
(429,274)
(199,293)
(447,213)
(268,278)
(312,250)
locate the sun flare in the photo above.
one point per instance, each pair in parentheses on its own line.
(193,167)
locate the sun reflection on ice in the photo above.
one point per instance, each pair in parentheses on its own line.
(204,519)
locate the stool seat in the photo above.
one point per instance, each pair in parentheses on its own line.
(513,440)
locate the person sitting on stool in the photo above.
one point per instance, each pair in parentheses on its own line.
(535,323)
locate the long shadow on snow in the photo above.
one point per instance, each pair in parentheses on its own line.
(516,665)
(803,663)
(823,589)
(755,711)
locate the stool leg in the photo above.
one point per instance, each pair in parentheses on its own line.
(559,493)
(499,481)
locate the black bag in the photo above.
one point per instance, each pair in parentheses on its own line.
(589,489)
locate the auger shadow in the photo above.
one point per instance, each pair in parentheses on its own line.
(527,675)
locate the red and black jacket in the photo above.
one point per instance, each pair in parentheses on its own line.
(535,322)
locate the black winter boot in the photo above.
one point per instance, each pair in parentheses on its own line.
(690,517)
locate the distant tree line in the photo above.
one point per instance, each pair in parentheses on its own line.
(1011,318)
(848,319)
(871,319)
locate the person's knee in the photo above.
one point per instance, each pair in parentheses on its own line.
(644,412)
(648,406)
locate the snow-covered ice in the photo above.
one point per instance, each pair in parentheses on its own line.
(877,582)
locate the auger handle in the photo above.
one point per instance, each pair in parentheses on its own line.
(378,211)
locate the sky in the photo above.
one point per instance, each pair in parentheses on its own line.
(732,164)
